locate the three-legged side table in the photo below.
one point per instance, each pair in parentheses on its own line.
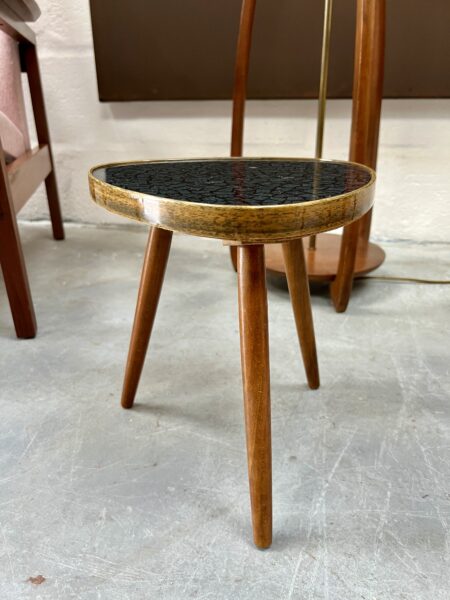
(249,203)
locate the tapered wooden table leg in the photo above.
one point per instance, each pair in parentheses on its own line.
(152,278)
(256,380)
(341,287)
(297,278)
(233,257)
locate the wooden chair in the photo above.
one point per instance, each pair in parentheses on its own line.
(356,253)
(20,178)
(249,203)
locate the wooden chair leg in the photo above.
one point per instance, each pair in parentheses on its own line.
(43,135)
(54,205)
(256,381)
(152,278)
(297,278)
(12,262)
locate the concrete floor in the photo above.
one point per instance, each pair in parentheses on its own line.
(153,503)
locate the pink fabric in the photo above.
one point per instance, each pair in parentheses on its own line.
(11,99)
(13,143)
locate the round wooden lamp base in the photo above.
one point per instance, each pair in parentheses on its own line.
(322,262)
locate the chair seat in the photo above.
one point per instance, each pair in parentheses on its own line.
(251,200)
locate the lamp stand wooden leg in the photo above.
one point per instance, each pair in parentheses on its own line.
(367,98)
(297,279)
(12,262)
(152,278)
(256,380)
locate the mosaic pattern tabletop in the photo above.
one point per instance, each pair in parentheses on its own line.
(238,182)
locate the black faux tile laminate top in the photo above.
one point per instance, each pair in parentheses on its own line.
(246,182)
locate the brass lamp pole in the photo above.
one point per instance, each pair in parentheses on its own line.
(323,88)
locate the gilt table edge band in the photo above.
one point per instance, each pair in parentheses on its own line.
(246,224)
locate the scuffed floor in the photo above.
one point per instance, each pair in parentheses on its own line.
(153,503)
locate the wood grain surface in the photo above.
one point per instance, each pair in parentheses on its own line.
(366,112)
(297,279)
(254,335)
(153,270)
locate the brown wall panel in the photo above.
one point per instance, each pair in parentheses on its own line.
(184,49)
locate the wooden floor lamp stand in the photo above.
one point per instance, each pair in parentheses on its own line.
(334,258)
